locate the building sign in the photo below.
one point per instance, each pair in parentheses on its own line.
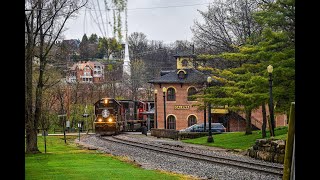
(182,107)
(219,111)
(216,109)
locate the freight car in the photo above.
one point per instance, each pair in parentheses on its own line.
(133,113)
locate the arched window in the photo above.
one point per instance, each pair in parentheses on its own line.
(191,91)
(181,75)
(171,122)
(192,120)
(171,94)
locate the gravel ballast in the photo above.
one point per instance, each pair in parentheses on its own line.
(158,161)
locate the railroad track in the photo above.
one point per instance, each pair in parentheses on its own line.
(260,167)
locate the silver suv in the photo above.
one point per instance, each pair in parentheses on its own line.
(215,127)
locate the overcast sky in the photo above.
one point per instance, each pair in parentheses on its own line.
(165,20)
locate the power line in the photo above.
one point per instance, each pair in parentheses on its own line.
(97,22)
(160,7)
(104,30)
(97,18)
(106,8)
(109,21)
(84,21)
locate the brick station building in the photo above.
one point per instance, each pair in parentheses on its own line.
(181,83)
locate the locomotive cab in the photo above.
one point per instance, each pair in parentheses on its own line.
(108,120)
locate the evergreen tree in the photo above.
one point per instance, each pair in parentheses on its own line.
(84,46)
(93,38)
(108,47)
(246,82)
(241,90)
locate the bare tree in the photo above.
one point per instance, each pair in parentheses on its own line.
(226,23)
(52,78)
(182,46)
(113,75)
(50,100)
(61,94)
(138,43)
(137,77)
(44,22)
(31,128)
(74,100)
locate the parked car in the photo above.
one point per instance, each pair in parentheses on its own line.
(190,128)
(215,127)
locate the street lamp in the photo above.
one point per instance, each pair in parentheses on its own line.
(86,116)
(270,69)
(155,108)
(164,90)
(210,138)
(204,111)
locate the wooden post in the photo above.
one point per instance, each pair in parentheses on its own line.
(289,144)
(292,173)
(45,141)
(63,126)
(64,130)
(79,126)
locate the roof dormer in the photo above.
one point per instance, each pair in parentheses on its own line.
(184,61)
(182,74)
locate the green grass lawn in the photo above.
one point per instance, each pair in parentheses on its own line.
(70,162)
(237,140)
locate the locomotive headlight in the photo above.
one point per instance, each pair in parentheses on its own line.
(110,120)
(100,119)
(105,101)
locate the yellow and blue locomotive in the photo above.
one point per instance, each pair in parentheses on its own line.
(108,117)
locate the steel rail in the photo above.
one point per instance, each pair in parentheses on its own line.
(198,156)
